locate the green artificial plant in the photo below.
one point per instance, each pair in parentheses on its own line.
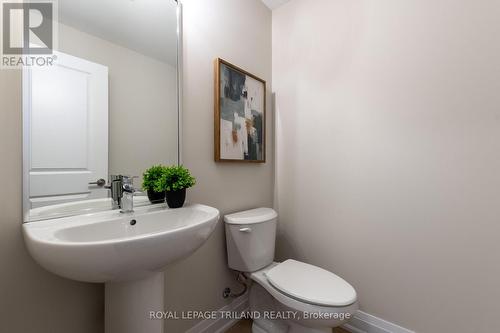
(152,178)
(176,178)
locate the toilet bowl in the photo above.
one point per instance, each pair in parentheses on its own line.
(291,296)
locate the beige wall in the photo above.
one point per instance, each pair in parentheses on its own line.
(32,299)
(240,32)
(389,153)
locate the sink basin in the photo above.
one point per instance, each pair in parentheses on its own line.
(110,246)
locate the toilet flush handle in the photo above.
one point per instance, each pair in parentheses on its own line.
(247,230)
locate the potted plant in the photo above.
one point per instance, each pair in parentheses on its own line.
(152,183)
(175,181)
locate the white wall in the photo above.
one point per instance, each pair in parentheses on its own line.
(389,153)
(238,31)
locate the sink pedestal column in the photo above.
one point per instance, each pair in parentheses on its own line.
(128,305)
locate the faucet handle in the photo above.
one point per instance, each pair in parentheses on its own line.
(128,183)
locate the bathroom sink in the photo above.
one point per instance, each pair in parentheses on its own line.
(110,246)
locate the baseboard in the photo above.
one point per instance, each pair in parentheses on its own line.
(363,322)
(220,325)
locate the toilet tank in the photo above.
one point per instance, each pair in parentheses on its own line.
(250,238)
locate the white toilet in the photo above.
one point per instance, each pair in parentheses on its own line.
(291,296)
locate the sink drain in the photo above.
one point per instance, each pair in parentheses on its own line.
(133,222)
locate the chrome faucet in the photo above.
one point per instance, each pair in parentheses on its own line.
(122,192)
(128,190)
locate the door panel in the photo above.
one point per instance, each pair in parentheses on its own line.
(59,110)
(67,108)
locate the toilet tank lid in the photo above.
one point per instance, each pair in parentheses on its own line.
(257,215)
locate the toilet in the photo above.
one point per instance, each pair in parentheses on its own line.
(290,296)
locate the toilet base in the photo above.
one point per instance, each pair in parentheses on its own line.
(257,329)
(261,302)
(293,327)
(268,326)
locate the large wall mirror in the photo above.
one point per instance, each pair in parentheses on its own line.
(108,106)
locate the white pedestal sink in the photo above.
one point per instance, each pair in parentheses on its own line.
(125,251)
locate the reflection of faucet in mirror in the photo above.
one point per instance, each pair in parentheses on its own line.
(122,192)
(128,192)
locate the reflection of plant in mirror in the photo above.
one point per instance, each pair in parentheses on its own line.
(152,178)
(176,178)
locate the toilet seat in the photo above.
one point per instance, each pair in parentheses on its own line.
(286,302)
(311,284)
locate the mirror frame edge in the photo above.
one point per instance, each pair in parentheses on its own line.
(180,44)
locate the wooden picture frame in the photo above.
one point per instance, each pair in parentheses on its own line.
(239,116)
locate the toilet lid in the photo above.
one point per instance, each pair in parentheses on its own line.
(311,284)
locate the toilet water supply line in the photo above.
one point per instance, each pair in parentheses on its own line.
(242,279)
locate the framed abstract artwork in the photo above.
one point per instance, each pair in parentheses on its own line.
(240,115)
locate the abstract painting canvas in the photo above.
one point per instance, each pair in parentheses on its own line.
(240,113)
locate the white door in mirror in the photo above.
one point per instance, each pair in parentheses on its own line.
(67,109)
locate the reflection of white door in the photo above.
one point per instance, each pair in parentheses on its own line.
(66,130)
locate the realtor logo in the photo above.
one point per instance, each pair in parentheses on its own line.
(28,33)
